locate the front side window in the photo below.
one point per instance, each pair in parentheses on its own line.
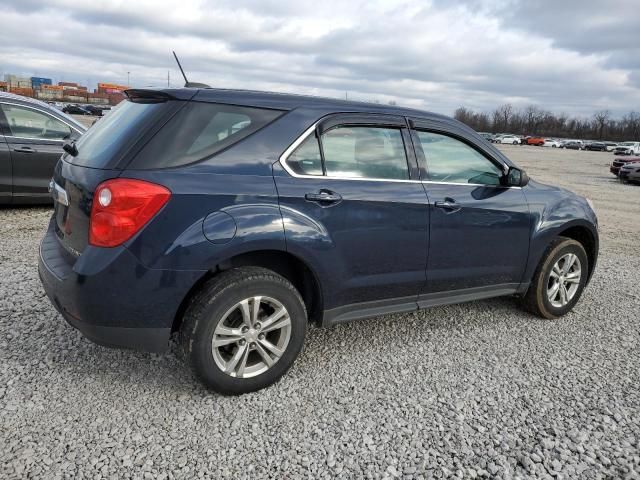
(28,123)
(365,152)
(450,160)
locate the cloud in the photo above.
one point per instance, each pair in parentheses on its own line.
(432,55)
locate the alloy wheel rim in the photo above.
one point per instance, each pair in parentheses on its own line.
(251,337)
(564,280)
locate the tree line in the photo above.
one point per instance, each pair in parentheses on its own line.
(533,120)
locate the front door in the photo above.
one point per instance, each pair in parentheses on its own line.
(35,141)
(352,204)
(479,230)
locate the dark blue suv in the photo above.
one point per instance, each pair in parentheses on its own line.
(235,218)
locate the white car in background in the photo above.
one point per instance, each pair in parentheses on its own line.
(551,142)
(510,139)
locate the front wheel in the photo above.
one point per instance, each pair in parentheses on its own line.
(243,330)
(559,279)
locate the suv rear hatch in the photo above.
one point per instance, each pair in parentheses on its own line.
(102,153)
(151,130)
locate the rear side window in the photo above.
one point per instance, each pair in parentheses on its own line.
(353,152)
(200,130)
(306,159)
(365,152)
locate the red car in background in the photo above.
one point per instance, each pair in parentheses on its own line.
(537,141)
(619,162)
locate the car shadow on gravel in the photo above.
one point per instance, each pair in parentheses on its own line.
(365,338)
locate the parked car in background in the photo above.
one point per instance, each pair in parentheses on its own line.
(536,141)
(610,146)
(32,134)
(75,110)
(627,148)
(630,172)
(93,110)
(58,105)
(596,147)
(487,136)
(572,145)
(510,139)
(235,218)
(551,142)
(619,162)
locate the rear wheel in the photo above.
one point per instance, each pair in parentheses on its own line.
(559,279)
(244,330)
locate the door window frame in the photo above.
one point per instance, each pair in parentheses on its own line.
(4,124)
(356,120)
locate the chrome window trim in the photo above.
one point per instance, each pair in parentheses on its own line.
(285,155)
(36,138)
(44,112)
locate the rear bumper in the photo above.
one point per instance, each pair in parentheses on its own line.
(110,297)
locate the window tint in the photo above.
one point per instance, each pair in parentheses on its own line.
(365,152)
(28,123)
(450,160)
(305,160)
(199,130)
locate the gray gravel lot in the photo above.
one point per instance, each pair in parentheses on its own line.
(474,390)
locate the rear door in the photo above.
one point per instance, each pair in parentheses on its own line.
(35,140)
(353,205)
(479,230)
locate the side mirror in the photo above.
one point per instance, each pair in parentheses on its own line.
(516,177)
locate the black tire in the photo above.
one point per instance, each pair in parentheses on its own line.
(536,300)
(209,306)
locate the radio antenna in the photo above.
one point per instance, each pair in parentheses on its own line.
(187,83)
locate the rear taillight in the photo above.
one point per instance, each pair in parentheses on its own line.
(121,207)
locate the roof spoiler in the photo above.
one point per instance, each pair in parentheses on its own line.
(137,95)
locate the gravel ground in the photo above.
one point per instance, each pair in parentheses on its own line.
(474,390)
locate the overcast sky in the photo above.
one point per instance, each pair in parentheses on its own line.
(573,56)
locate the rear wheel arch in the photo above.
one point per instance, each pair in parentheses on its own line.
(285,264)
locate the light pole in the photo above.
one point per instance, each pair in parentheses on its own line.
(128,81)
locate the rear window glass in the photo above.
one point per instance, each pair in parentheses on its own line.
(113,134)
(200,130)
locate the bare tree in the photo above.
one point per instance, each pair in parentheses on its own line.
(601,118)
(534,120)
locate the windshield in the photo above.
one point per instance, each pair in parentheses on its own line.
(627,144)
(102,145)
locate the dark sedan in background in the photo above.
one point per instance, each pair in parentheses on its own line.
(31,137)
(75,110)
(596,147)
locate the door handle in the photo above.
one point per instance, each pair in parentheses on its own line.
(24,150)
(324,197)
(449,205)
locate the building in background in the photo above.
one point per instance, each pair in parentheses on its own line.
(70,92)
(15,81)
(38,82)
